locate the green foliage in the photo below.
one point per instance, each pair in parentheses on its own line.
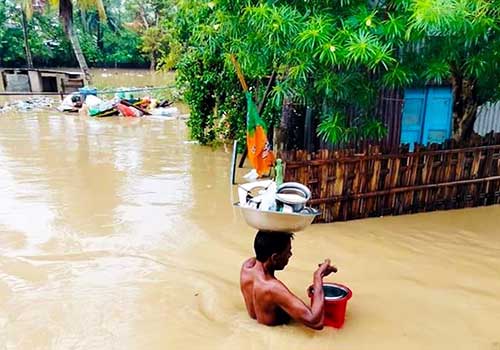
(318,55)
(335,129)
(89,47)
(153,21)
(337,55)
(51,48)
(122,48)
(3,19)
(11,36)
(456,39)
(372,129)
(159,44)
(217,110)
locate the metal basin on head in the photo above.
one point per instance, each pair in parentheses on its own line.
(277,221)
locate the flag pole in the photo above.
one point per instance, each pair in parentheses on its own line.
(244,85)
(239,73)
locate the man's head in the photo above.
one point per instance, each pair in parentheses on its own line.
(274,248)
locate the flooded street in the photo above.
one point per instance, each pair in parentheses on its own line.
(119,234)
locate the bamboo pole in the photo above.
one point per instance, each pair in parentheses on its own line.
(239,73)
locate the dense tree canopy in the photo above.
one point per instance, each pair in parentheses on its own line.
(334,54)
(110,43)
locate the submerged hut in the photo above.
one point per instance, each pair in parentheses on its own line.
(40,80)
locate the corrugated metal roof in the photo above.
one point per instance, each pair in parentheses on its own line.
(488,118)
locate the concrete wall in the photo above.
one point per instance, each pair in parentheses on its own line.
(17,82)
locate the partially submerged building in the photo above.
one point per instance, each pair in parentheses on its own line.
(40,80)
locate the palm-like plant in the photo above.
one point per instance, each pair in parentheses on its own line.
(333,129)
(65,10)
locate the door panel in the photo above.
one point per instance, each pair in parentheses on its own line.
(437,121)
(413,116)
(426,115)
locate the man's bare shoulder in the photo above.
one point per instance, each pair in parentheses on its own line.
(270,287)
(249,263)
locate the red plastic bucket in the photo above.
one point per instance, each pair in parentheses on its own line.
(336,297)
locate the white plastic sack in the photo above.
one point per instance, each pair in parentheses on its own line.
(67,104)
(92,101)
(165,111)
(268,201)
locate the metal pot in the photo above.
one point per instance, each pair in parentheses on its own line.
(332,291)
(293,194)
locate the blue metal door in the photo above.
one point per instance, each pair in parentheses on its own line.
(413,116)
(426,115)
(437,120)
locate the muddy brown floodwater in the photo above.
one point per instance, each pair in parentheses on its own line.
(119,234)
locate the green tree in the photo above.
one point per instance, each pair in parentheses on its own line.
(103,43)
(122,47)
(50,47)
(154,22)
(456,41)
(65,10)
(27,49)
(3,21)
(12,40)
(113,41)
(335,55)
(319,58)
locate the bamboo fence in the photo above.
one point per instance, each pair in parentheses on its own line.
(352,184)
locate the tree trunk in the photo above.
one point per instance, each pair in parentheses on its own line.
(29,59)
(100,39)
(85,21)
(281,134)
(75,44)
(465,103)
(142,14)
(66,14)
(152,66)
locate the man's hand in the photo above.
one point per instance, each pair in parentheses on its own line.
(325,269)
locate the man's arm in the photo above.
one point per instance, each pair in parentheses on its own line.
(310,316)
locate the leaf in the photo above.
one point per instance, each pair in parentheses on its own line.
(333,129)
(398,76)
(437,72)
(476,66)
(317,33)
(373,129)
(360,47)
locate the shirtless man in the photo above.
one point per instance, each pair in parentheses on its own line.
(267,299)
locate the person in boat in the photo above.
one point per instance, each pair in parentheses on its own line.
(267,299)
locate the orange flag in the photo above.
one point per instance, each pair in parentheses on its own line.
(259,150)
